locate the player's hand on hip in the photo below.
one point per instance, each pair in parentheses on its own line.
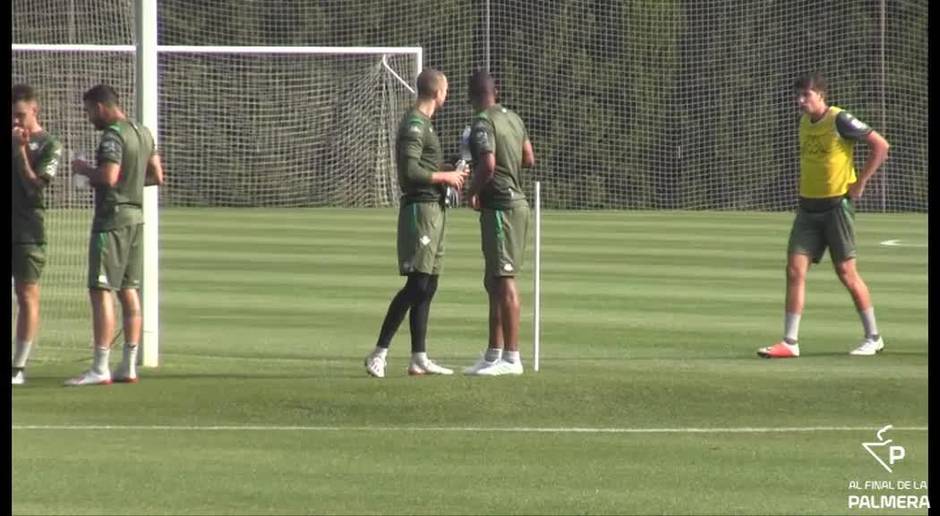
(475,202)
(856,190)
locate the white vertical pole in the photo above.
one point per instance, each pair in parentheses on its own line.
(419,64)
(536,277)
(486,36)
(884,108)
(147,107)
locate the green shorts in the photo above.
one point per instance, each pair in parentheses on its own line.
(504,233)
(27,263)
(421,237)
(115,258)
(813,232)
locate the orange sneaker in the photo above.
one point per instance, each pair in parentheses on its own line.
(780,350)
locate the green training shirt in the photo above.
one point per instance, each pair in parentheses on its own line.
(44,153)
(418,155)
(500,131)
(130,145)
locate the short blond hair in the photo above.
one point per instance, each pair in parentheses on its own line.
(429,83)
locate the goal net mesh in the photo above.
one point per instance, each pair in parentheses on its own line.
(630,105)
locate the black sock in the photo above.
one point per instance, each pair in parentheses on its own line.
(420,314)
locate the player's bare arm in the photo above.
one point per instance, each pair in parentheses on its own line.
(105,175)
(878,146)
(528,155)
(454,178)
(154,171)
(483,173)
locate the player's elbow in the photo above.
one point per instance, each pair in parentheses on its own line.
(154,177)
(879,143)
(418,176)
(38,182)
(528,161)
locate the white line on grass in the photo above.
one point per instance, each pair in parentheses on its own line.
(561,430)
(898,243)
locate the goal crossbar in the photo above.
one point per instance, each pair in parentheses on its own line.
(195,49)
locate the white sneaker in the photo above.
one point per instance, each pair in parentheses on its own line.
(869,347)
(501,367)
(375,366)
(122,376)
(428,367)
(18,378)
(89,378)
(480,364)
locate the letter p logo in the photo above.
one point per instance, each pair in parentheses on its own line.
(895,453)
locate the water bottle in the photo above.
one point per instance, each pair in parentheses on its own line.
(80,181)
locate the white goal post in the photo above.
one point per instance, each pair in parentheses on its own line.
(146,53)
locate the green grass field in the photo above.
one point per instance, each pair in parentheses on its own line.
(650,398)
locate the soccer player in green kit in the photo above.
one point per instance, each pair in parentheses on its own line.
(36,158)
(126,161)
(829,188)
(422,218)
(500,148)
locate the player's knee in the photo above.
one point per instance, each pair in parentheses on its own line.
(130,303)
(418,288)
(27,294)
(847,273)
(796,272)
(509,293)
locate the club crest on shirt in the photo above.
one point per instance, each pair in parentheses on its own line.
(110,146)
(480,138)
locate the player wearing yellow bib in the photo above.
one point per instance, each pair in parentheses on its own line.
(829,187)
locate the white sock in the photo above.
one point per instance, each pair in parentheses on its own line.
(129,361)
(493,354)
(419,358)
(100,364)
(22,353)
(512,356)
(380,352)
(791,327)
(868,321)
